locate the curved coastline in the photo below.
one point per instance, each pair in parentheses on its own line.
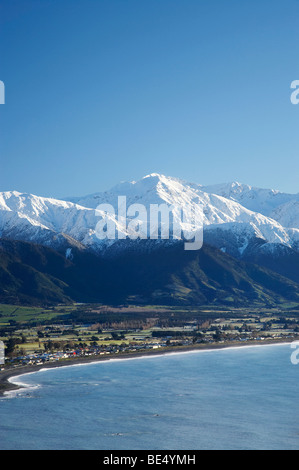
(8,382)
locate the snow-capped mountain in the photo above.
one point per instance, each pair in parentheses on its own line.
(287,214)
(234,216)
(46,221)
(222,212)
(275,204)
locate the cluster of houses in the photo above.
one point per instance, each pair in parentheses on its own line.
(220,331)
(42,358)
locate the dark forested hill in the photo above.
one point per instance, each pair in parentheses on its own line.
(32,274)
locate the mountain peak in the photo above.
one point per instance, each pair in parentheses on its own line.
(231,207)
(153,175)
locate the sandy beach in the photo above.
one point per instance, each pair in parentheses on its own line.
(7,374)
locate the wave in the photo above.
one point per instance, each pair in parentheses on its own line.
(22,386)
(25,387)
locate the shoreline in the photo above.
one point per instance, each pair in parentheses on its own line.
(6,384)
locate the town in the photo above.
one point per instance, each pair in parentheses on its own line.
(109,332)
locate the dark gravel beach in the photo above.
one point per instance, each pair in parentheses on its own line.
(8,373)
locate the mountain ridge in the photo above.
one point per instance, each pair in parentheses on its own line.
(36,275)
(44,220)
(68,227)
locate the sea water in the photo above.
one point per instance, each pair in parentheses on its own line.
(236,398)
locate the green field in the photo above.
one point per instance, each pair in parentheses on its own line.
(93,313)
(24,315)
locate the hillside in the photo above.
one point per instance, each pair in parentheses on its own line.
(36,275)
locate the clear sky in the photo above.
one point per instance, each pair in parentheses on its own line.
(101,91)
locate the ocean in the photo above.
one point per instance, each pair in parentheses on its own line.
(233,399)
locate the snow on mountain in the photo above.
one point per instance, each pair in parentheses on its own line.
(152,189)
(218,203)
(269,202)
(287,214)
(226,212)
(47,221)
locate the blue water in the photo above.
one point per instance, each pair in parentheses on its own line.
(243,398)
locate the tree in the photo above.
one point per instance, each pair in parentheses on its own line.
(94,338)
(10,346)
(217,336)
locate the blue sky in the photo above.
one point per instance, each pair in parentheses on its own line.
(101,91)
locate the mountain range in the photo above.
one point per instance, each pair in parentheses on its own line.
(50,252)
